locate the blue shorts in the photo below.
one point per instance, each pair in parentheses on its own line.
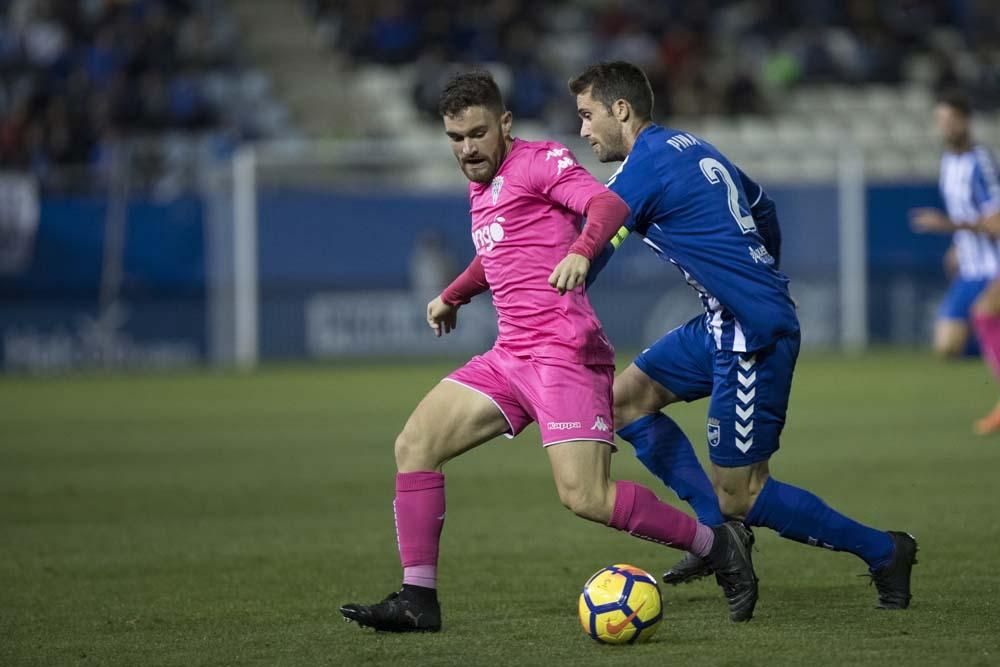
(958,300)
(749,391)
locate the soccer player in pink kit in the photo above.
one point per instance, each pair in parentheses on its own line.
(551,362)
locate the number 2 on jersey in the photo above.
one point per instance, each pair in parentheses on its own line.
(713,170)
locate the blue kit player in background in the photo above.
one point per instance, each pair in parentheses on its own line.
(970,187)
(968,175)
(698,211)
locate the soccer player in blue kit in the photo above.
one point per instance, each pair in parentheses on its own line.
(698,211)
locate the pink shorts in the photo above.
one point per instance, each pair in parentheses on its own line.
(569,401)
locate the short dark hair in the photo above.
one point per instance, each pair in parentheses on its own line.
(957,100)
(470,89)
(609,82)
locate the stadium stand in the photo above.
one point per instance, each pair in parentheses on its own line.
(750,74)
(77,76)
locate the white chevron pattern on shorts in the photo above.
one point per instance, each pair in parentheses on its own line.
(746,375)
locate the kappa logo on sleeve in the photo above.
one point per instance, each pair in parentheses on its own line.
(565,160)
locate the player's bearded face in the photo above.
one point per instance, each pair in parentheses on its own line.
(479,140)
(952,125)
(601,129)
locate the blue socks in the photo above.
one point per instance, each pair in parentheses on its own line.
(794,513)
(664,449)
(799,515)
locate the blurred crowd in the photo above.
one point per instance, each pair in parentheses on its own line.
(703,56)
(77,74)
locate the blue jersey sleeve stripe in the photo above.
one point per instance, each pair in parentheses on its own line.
(988,171)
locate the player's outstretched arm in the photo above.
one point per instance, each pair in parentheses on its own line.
(468,284)
(990,224)
(765,216)
(931,221)
(442,312)
(606,215)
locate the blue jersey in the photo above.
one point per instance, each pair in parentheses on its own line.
(690,204)
(970,188)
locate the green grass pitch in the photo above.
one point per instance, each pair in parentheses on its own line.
(220,519)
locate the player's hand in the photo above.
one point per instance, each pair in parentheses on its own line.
(924,220)
(442,317)
(570,273)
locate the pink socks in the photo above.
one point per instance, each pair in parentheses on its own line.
(419,509)
(639,512)
(988,332)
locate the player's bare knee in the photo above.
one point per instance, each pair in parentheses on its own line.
(948,348)
(758,478)
(569,497)
(735,506)
(734,494)
(413,450)
(589,506)
(404,450)
(636,395)
(586,502)
(987,308)
(626,410)
(950,339)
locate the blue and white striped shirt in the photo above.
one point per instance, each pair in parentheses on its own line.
(971,190)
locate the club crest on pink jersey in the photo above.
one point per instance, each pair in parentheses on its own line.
(495,189)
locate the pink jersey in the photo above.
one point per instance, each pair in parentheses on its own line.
(522,225)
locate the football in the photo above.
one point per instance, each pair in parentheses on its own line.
(620,604)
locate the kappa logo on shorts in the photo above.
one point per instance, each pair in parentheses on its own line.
(714,432)
(563,426)
(600,425)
